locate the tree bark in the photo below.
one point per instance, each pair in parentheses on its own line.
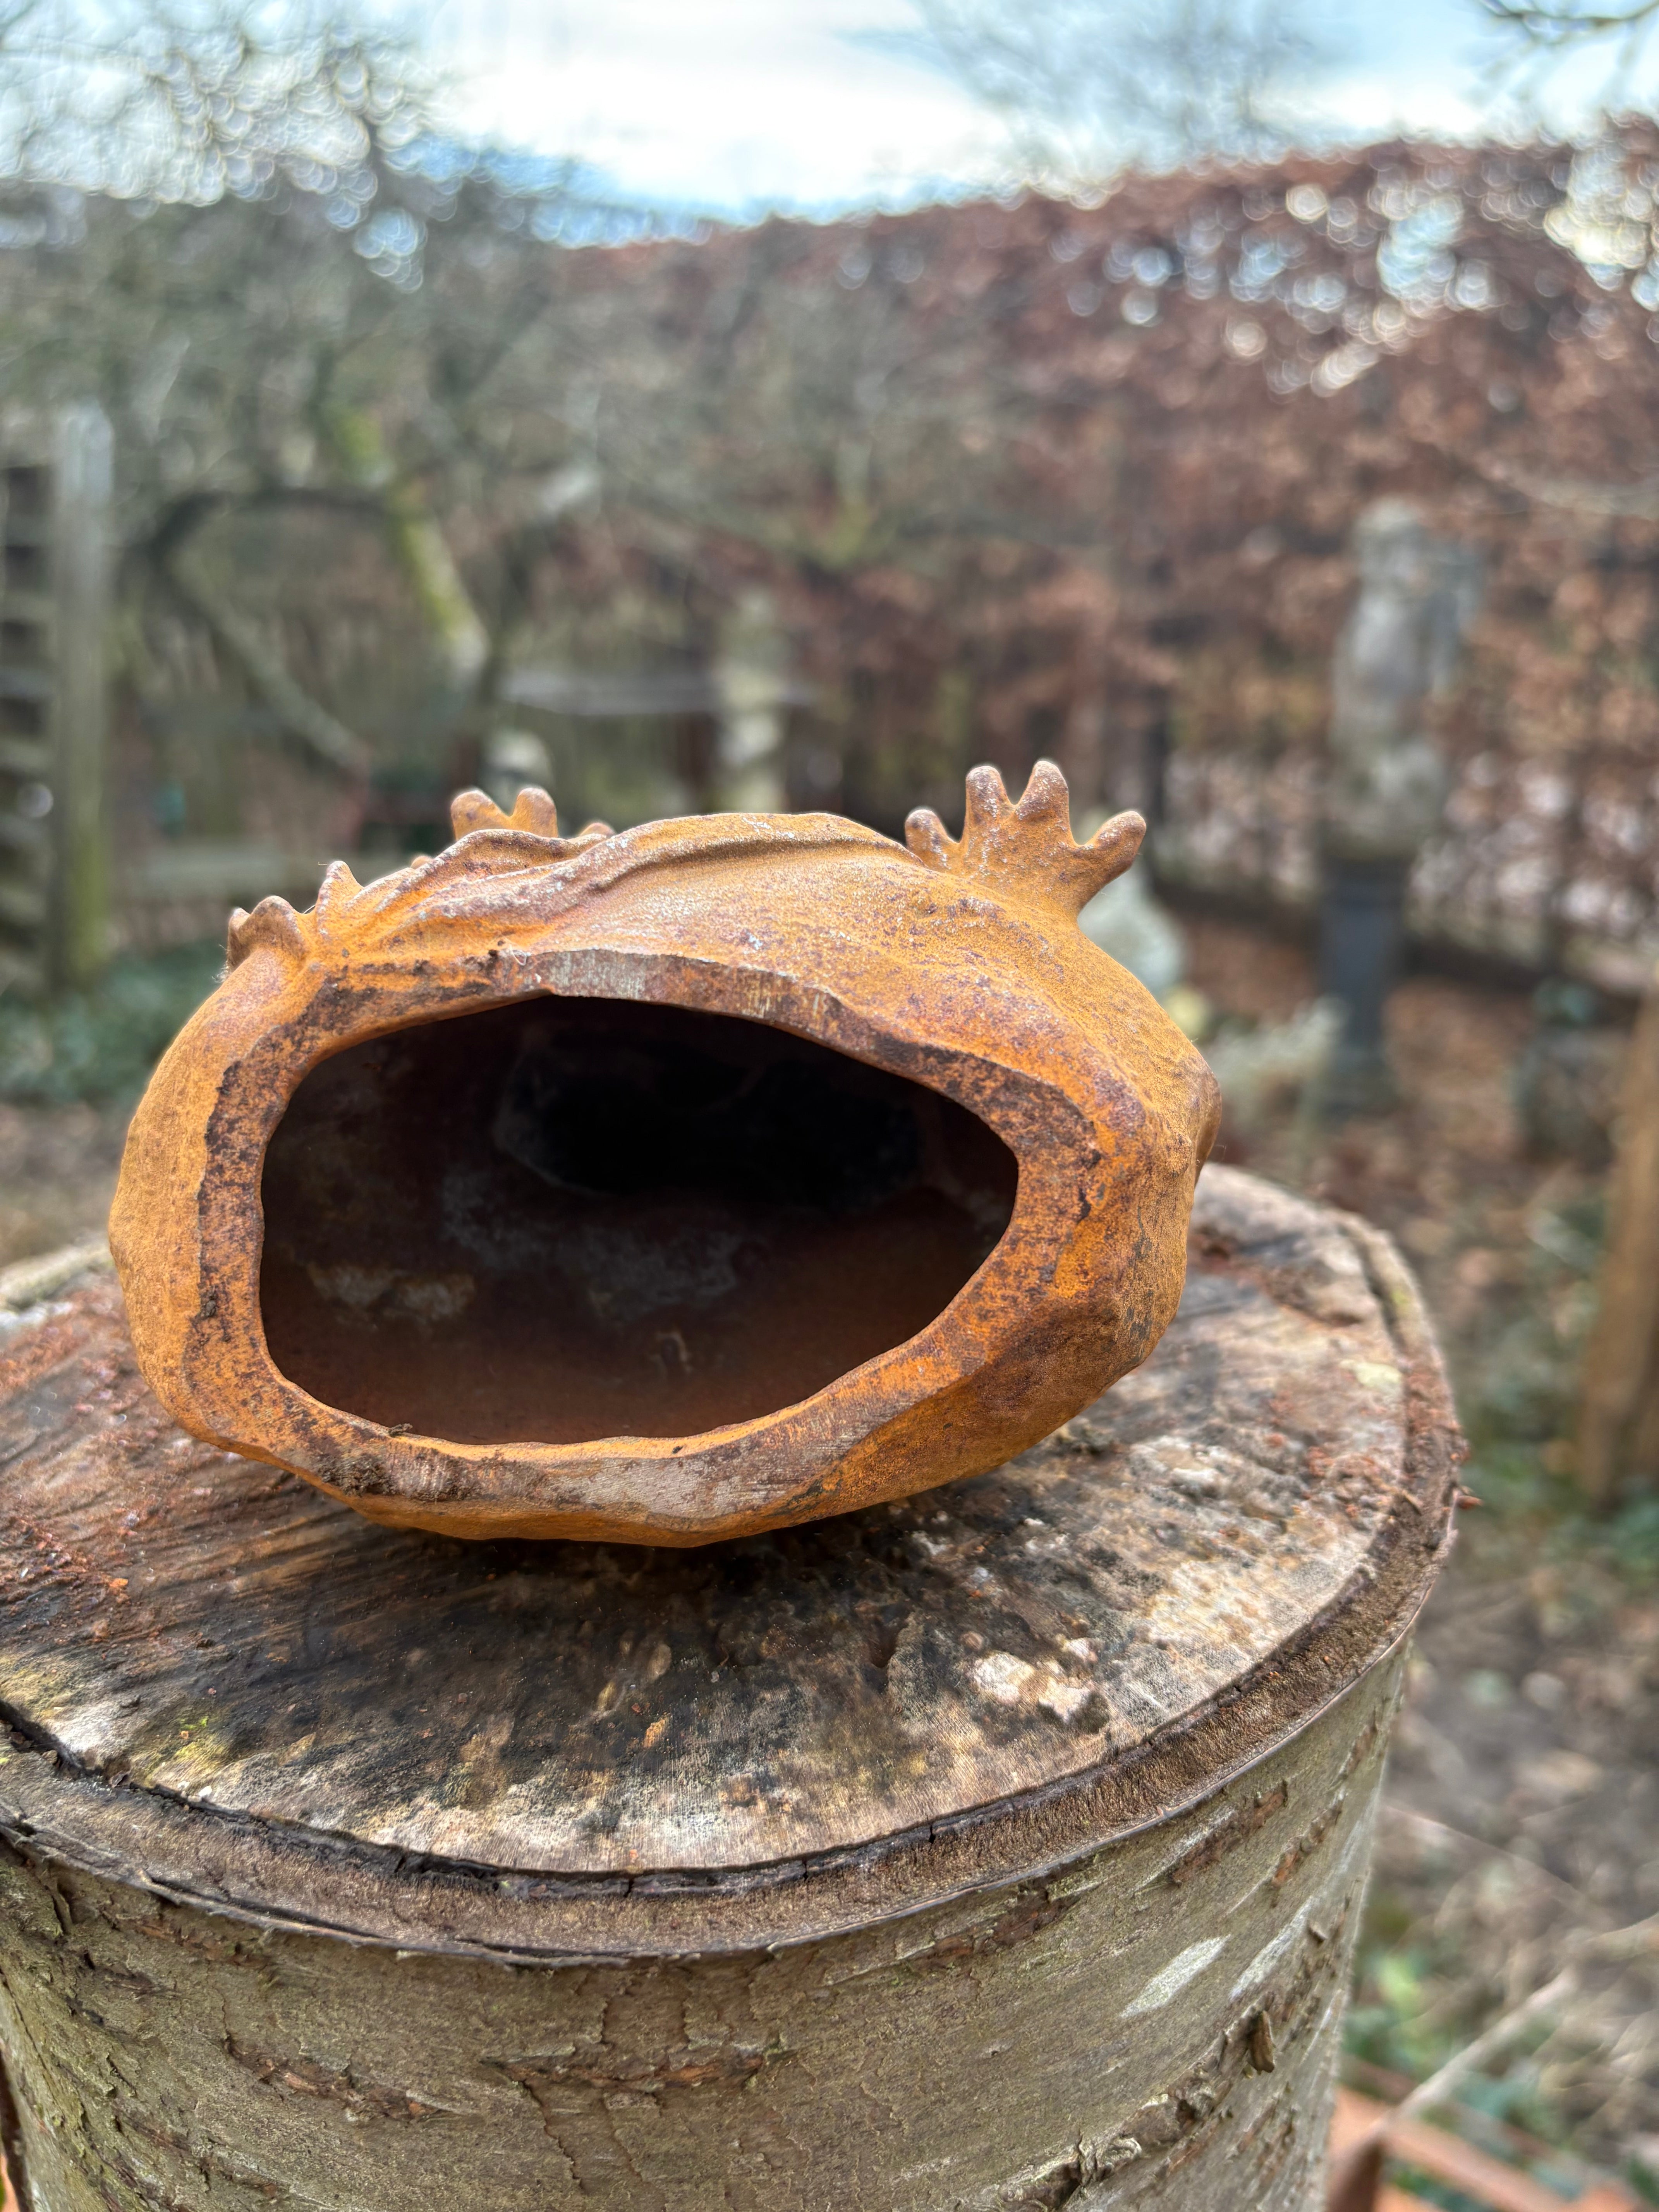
(1002,1848)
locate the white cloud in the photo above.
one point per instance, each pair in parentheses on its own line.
(723,103)
(731,105)
(1371,104)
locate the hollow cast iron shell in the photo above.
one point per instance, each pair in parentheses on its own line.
(958,965)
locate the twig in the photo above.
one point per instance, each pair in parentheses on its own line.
(1619,1946)
(1406,1812)
(1622,1945)
(1563,23)
(1504,2030)
(1354,2180)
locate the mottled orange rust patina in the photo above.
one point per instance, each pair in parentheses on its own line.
(670,1185)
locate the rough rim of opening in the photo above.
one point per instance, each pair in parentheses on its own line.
(292,1362)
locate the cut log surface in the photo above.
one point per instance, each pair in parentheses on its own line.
(973,1850)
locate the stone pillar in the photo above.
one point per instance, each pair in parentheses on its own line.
(1000,1848)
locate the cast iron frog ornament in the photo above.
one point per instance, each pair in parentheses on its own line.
(666,1185)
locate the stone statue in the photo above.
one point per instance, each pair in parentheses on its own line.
(1386,783)
(1399,651)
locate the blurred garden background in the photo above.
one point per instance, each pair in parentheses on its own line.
(1201,397)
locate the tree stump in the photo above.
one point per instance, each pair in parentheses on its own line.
(1002,1848)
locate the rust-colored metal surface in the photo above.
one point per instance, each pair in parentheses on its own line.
(668,1185)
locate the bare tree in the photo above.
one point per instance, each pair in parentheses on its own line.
(1088,87)
(1534,34)
(1554,24)
(241,226)
(188,100)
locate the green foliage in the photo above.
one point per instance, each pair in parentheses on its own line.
(1391,2023)
(1538,1506)
(1432,2190)
(100,1045)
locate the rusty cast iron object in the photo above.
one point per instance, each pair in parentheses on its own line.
(670,1185)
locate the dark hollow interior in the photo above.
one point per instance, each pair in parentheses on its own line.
(577,1218)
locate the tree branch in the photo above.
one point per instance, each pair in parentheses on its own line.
(300,715)
(1567,24)
(1354,2176)
(417,544)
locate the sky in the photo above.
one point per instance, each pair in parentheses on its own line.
(733,105)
